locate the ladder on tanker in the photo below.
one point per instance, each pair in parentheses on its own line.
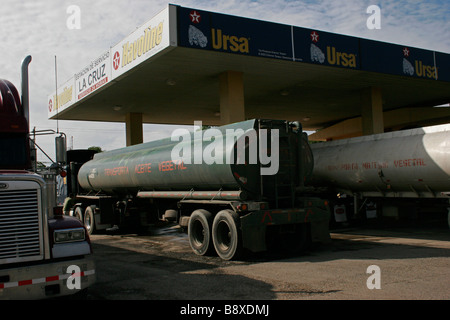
(282,183)
(284,180)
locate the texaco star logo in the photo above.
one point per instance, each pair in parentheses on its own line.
(406,52)
(116,60)
(195,16)
(50,105)
(314,37)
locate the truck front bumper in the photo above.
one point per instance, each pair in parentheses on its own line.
(47,280)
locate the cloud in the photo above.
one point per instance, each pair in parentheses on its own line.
(38,27)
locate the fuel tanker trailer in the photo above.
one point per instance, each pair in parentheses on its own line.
(397,172)
(235,188)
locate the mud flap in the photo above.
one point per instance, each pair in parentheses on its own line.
(320,231)
(254,224)
(254,238)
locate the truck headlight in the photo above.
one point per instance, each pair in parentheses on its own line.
(69,235)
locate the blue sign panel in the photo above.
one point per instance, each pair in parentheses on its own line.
(443,66)
(381,57)
(395,59)
(325,48)
(231,34)
(224,33)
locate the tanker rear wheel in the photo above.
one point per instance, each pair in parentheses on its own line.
(199,232)
(89,221)
(226,235)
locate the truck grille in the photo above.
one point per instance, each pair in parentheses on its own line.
(19,224)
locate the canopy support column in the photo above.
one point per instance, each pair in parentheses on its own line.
(372,111)
(232,108)
(134,133)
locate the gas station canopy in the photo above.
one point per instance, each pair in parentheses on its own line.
(187,65)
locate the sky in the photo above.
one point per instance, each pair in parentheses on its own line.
(39,28)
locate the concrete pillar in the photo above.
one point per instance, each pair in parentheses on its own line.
(133,124)
(372,111)
(232,107)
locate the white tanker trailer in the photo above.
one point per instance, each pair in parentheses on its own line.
(409,166)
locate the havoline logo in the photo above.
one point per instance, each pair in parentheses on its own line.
(333,57)
(151,38)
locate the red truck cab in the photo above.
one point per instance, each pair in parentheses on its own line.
(42,254)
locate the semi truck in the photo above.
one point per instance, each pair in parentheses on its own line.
(43,254)
(235,204)
(400,174)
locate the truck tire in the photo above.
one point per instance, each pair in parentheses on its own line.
(226,235)
(78,213)
(199,232)
(171,215)
(89,221)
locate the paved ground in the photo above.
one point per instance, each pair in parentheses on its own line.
(413,263)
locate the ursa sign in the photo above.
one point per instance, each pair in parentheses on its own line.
(326,48)
(400,60)
(231,34)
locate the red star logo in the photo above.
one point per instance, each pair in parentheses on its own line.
(314,37)
(406,52)
(195,17)
(116,60)
(50,105)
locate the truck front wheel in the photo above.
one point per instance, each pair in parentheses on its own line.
(199,232)
(78,213)
(226,235)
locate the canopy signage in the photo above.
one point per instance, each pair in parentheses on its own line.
(231,34)
(61,99)
(325,48)
(145,42)
(224,33)
(94,76)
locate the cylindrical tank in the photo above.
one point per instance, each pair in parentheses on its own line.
(410,163)
(241,151)
(151,167)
